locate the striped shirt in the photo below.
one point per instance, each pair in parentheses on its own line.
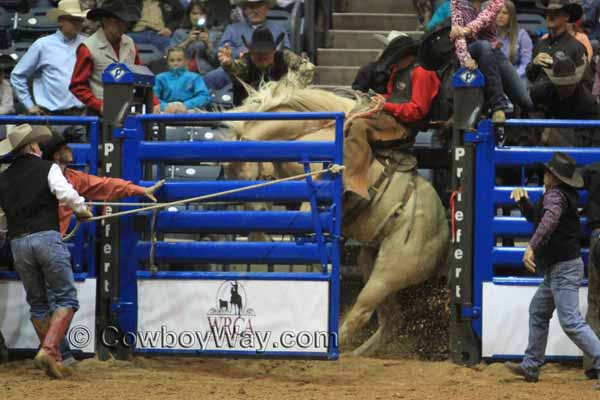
(481,22)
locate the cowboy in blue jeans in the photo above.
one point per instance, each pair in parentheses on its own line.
(554,250)
(30,191)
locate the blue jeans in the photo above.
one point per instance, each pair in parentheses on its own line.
(500,75)
(217,79)
(42,261)
(149,36)
(560,290)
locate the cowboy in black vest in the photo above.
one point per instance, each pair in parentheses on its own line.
(30,190)
(263,62)
(554,251)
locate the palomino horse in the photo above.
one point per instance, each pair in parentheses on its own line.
(403,229)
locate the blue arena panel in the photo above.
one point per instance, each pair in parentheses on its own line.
(275,151)
(284,191)
(234,252)
(530,155)
(240,221)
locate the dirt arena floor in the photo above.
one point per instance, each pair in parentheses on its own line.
(348,378)
(414,366)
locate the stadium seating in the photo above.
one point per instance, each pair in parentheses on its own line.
(149,53)
(534,23)
(16,5)
(34,24)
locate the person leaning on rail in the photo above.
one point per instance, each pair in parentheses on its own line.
(554,250)
(30,191)
(92,187)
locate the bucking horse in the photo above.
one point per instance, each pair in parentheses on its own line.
(403,230)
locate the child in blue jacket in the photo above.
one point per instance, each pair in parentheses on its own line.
(180,90)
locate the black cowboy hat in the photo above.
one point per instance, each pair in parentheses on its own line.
(571,7)
(564,71)
(563,167)
(397,48)
(126,11)
(262,40)
(437,49)
(52,146)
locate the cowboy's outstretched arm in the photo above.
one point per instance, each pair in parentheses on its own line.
(64,192)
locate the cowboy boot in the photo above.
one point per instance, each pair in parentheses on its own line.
(49,358)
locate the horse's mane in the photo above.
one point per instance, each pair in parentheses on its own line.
(292,94)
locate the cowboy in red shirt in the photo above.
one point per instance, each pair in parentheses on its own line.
(89,186)
(411,91)
(108,45)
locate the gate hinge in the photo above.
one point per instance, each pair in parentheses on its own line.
(470,312)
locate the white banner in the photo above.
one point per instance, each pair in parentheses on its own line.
(242,315)
(18,331)
(506,322)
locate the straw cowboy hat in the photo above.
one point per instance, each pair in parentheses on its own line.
(563,167)
(66,8)
(22,135)
(571,7)
(390,36)
(564,71)
(116,9)
(242,3)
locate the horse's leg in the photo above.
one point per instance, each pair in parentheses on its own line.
(369,299)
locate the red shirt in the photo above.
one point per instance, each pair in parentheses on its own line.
(80,80)
(95,188)
(425,86)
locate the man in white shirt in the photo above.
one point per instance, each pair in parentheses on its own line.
(30,191)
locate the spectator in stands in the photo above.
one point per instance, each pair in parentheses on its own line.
(256,12)
(49,62)
(256,15)
(440,16)
(564,96)
(554,251)
(199,36)
(30,192)
(180,90)
(559,13)
(516,43)
(591,19)
(157,22)
(410,93)
(7,105)
(424,9)
(375,75)
(591,178)
(263,62)
(476,23)
(108,45)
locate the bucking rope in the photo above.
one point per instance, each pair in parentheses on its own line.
(334,169)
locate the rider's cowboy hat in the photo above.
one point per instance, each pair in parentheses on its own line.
(242,3)
(437,49)
(262,40)
(22,135)
(389,38)
(564,71)
(123,10)
(563,167)
(51,146)
(571,7)
(66,8)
